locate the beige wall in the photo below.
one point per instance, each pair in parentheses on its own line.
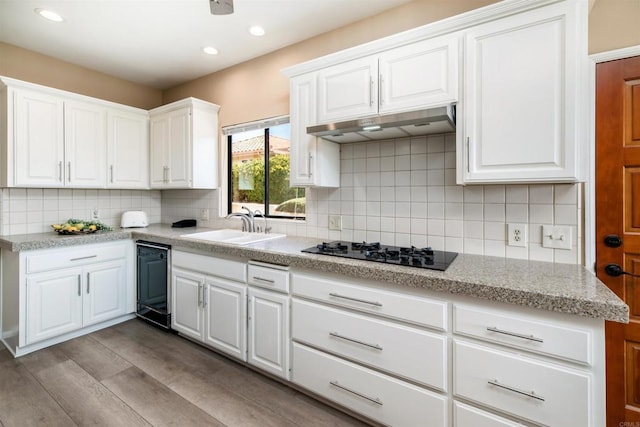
(33,67)
(257,89)
(614,24)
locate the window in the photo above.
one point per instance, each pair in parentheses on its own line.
(259,170)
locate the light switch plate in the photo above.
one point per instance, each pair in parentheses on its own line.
(204,214)
(556,236)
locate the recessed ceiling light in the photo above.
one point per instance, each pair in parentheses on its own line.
(209,50)
(257,31)
(49,14)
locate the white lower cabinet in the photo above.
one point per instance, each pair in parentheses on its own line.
(269,331)
(51,295)
(363,390)
(468,416)
(226,316)
(187,289)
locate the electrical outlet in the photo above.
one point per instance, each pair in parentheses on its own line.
(204,214)
(517,235)
(335,222)
(556,236)
(95,214)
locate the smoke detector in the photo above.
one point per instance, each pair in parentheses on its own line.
(221,7)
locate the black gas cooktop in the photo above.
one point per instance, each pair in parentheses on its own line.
(407,256)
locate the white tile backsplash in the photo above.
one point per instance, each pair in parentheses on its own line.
(399,192)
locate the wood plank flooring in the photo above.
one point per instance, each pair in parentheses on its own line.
(133,374)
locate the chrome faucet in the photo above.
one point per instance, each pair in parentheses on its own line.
(258,213)
(247,222)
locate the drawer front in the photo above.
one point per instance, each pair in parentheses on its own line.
(395,305)
(211,265)
(394,348)
(526,388)
(519,332)
(377,396)
(468,416)
(47,260)
(273,278)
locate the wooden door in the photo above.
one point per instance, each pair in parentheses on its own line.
(618,213)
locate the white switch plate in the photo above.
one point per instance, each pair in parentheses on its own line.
(517,235)
(335,222)
(204,214)
(556,236)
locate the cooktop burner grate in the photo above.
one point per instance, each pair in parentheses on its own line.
(408,256)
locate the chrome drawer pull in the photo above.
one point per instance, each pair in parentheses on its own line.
(83,257)
(377,304)
(260,279)
(347,389)
(514,334)
(337,335)
(531,394)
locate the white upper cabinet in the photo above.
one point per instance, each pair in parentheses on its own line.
(85,148)
(55,139)
(184,145)
(523,97)
(128,149)
(313,161)
(409,77)
(34,141)
(348,90)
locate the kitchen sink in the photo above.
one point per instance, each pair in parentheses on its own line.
(234,237)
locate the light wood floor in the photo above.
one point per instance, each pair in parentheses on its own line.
(133,374)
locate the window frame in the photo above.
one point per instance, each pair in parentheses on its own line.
(265,209)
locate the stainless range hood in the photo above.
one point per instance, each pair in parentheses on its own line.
(399,125)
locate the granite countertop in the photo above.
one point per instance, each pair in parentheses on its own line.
(563,288)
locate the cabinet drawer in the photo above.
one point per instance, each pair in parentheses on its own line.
(526,388)
(273,277)
(524,333)
(220,267)
(468,416)
(377,396)
(395,305)
(70,257)
(394,348)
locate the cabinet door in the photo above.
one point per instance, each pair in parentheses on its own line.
(523,86)
(187,291)
(348,90)
(85,136)
(179,154)
(127,150)
(54,304)
(313,161)
(105,292)
(269,332)
(419,75)
(158,148)
(226,308)
(38,140)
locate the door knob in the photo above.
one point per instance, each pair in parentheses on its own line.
(612,241)
(615,270)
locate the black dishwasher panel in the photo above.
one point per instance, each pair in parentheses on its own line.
(153,283)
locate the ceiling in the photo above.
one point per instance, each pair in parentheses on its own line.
(158,43)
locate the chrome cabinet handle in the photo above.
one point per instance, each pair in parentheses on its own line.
(69,167)
(371,91)
(111,171)
(260,279)
(83,257)
(377,304)
(310,159)
(167,178)
(514,334)
(79,285)
(204,296)
(468,157)
(88,282)
(353,340)
(199,295)
(381,90)
(375,400)
(531,394)
(60,171)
